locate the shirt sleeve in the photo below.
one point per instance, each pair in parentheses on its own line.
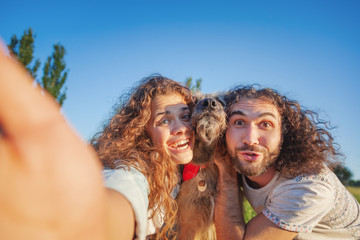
(299,204)
(134,187)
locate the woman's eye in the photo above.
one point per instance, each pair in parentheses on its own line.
(186,117)
(164,122)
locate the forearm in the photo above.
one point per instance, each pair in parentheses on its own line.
(120,220)
(229,219)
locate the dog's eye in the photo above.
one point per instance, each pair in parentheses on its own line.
(222,102)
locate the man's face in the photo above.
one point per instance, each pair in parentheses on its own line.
(253,137)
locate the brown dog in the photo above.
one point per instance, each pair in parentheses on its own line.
(197,195)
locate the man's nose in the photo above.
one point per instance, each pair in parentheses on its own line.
(251,135)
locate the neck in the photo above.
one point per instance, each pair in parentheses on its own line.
(263,179)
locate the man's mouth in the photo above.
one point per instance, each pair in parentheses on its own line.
(250,156)
(180,145)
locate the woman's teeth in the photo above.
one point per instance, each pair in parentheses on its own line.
(180,145)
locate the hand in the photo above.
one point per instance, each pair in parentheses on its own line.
(50,180)
(223,161)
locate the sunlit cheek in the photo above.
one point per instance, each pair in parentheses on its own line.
(156,138)
(228,141)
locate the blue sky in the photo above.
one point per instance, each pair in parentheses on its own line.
(308,50)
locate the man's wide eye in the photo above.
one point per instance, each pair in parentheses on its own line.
(266,124)
(239,122)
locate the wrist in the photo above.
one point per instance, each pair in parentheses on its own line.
(227,180)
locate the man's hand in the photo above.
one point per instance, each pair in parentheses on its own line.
(223,162)
(50,180)
(229,221)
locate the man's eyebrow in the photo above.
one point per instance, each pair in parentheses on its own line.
(267,114)
(238,112)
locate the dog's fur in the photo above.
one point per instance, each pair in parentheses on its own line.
(196,208)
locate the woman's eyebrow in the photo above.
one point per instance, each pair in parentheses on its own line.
(169,112)
(162,113)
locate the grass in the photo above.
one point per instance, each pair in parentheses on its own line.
(355,191)
(249,212)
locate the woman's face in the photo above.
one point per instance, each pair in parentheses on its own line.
(170,127)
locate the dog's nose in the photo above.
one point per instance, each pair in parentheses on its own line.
(209,103)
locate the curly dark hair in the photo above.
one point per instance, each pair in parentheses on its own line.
(307,145)
(124,142)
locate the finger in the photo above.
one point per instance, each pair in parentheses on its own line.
(23,107)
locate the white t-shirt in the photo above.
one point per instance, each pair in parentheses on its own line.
(316,206)
(134,187)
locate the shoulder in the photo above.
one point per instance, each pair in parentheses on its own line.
(125,177)
(301,202)
(323,182)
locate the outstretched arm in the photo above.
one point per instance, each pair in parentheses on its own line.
(229,221)
(50,180)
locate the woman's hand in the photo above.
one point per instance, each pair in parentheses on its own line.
(50,180)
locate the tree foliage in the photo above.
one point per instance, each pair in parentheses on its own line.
(354,183)
(194,88)
(54,71)
(23,49)
(55,75)
(344,174)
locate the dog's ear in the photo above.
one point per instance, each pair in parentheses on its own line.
(220,98)
(198,96)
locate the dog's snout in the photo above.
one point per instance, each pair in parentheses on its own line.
(209,103)
(205,103)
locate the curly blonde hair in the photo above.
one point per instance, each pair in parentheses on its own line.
(124,142)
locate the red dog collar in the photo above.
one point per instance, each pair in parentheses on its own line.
(190,171)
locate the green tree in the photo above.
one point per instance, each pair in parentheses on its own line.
(54,72)
(343,173)
(354,183)
(23,49)
(196,87)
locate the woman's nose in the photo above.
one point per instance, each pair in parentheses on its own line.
(180,127)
